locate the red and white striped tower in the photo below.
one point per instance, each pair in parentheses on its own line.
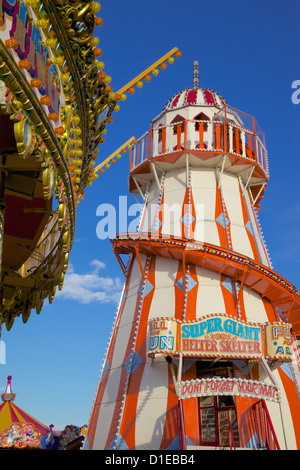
(203,350)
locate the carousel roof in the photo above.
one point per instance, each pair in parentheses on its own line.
(19,429)
(56,103)
(11,413)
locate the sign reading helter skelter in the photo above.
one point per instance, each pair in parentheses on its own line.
(222,336)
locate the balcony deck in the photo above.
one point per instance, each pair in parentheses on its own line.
(203,141)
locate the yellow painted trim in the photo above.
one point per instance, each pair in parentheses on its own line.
(148,70)
(5,416)
(108,159)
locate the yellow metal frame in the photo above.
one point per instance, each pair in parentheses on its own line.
(148,70)
(127,87)
(113,155)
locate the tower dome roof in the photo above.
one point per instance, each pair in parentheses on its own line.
(195,96)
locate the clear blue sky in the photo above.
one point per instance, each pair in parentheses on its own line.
(248,51)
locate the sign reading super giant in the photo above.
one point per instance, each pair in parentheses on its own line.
(220,336)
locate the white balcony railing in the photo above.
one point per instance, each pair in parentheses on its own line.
(200,136)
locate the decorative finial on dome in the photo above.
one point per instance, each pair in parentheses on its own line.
(8,395)
(196,75)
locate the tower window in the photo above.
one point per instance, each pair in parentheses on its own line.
(160,131)
(178,119)
(201,117)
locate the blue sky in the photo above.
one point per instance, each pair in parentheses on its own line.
(248,52)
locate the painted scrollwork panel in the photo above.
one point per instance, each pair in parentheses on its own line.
(78,19)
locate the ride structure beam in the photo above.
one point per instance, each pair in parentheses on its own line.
(114,155)
(151,69)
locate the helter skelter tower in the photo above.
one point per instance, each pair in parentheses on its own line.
(203,352)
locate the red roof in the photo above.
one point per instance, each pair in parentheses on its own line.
(195,96)
(11,413)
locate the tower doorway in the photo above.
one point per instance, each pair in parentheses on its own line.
(217,414)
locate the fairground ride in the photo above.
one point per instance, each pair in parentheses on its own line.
(55,103)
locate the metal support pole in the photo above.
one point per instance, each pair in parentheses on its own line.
(153,169)
(274,381)
(248,180)
(181,418)
(3,205)
(139,260)
(187,166)
(222,169)
(259,193)
(139,189)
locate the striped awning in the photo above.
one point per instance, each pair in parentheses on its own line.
(11,413)
(18,428)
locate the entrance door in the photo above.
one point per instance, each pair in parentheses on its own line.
(215,414)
